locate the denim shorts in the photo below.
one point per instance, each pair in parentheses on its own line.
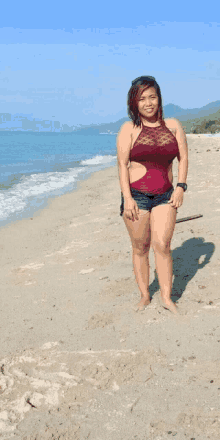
(147,201)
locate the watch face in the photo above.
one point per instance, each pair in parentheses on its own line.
(182,185)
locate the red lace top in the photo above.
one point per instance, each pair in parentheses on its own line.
(155,148)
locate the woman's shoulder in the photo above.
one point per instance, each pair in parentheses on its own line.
(170,122)
(129,128)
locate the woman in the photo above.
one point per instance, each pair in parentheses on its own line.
(146,148)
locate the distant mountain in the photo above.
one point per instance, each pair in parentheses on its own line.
(111,127)
(205,124)
(194,118)
(172,111)
(187,116)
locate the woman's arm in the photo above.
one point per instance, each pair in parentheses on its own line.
(176,199)
(123,152)
(183,152)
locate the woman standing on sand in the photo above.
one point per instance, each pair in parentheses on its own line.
(146,147)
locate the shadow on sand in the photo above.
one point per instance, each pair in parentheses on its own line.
(186,264)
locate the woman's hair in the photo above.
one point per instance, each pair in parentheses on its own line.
(139,85)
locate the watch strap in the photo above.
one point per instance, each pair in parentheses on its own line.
(182,185)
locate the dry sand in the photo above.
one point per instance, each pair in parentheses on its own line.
(77,362)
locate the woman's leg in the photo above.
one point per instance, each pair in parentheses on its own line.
(162,223)
(139,231)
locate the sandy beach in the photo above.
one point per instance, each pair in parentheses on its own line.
(76,361)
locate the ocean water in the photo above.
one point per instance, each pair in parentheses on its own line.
(37,166)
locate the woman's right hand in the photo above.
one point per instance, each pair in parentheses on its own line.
(131,209)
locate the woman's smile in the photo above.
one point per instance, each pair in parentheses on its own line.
(148,97)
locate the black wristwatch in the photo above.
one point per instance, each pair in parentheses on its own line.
(182,185)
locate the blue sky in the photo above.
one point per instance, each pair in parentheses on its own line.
(75,63)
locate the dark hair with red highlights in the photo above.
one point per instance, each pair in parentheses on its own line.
(139,85)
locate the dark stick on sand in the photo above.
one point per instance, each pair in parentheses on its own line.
(185,219)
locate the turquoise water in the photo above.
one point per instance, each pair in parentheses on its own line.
(36,166)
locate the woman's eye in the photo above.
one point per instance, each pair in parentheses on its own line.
(151,97)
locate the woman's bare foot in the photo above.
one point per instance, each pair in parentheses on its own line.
(144,302)
(167,303)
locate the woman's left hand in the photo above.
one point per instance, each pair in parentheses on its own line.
(176,199)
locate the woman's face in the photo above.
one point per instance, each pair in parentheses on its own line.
(148,103)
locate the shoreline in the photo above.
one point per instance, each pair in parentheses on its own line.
(46,200)
(71,339)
